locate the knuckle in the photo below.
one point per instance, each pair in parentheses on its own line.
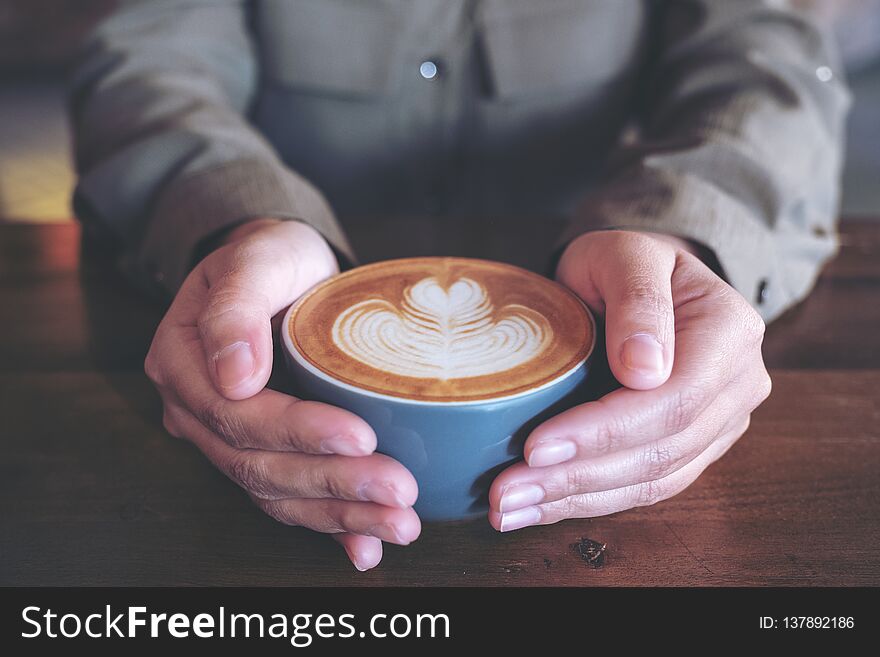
(345,518)
(233,260)
(657,461)
(602,437)
(734,311)
(754,326)
(648,493)
(682,408)
(322,483)
(334,487)
(294,416)
(152,368)
(568,507)
(170,422)
(216,416)
(604,440)
(243,254)
(226,299)
(249,471)
(765,386)
(576,478)
(335,517)
(759,390)
(221,303)
(620,239)
(281,512)
(642,293)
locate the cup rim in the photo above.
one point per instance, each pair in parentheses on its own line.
(301,360)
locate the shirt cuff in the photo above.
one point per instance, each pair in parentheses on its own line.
(687,206)
(194,207)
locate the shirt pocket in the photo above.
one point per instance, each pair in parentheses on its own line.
(560,80)
(534,49)
(334,47)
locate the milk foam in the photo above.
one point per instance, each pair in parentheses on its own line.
(438,333)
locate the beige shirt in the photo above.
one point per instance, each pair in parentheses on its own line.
(191,117)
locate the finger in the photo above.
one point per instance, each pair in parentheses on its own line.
(276,475)
(590,505)
(632,273)
(707,360)
(274,421)
(519,485)
(365,552)
(259,277)
(269,420)
(399,526)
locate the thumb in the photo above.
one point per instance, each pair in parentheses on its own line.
(628,276)
(639,315)
(248,283)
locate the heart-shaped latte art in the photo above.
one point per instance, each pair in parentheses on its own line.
(441,333)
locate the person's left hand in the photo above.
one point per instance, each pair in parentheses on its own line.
(687,349)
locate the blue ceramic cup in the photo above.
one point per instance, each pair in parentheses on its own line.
(454,449)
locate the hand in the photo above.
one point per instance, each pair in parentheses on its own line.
(687,349)
(302,462)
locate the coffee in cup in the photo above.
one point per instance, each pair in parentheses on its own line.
(446,358)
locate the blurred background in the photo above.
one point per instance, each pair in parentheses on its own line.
(38,39)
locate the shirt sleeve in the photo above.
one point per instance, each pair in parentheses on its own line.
(164,152)
(739,147)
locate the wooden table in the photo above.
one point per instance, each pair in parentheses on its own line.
(92,491)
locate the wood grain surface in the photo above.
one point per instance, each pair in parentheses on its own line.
(92,490)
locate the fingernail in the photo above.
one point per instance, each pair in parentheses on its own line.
(381,493)
(518,496)
(551,452)
(235,364)
(643,353)
(520,518)
(344,445)
(387,532)
(354,560)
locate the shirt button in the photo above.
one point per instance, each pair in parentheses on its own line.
(824,74)
(763,291)
(429,69)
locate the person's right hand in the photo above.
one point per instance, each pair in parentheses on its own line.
(302,462)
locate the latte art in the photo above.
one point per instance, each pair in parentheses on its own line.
(440,330)
(439,333)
